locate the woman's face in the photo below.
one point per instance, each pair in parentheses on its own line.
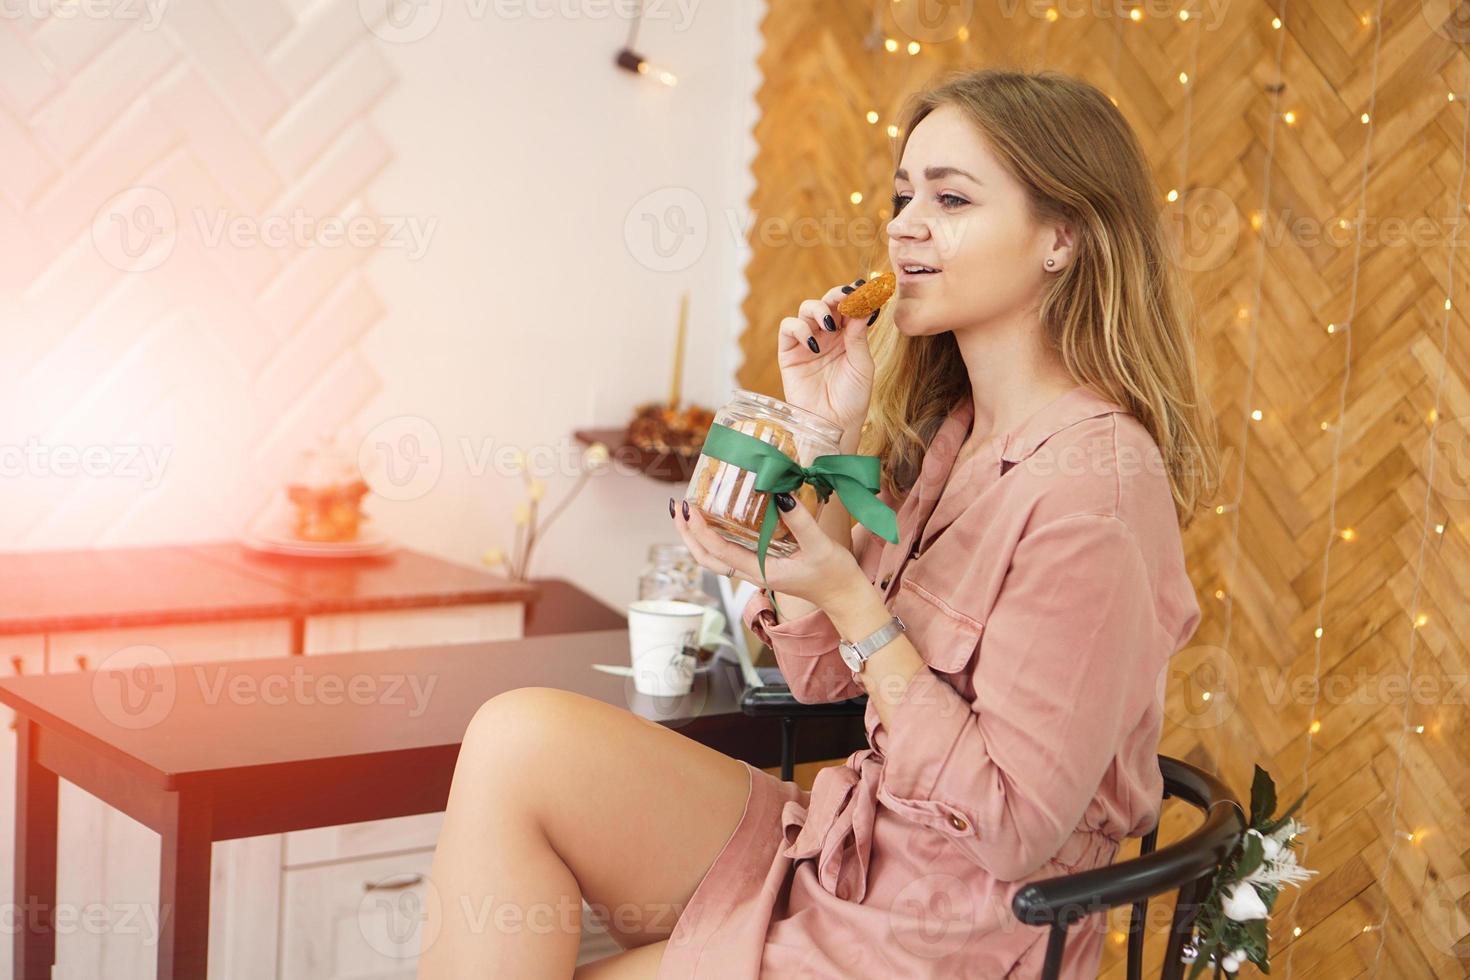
(957,210)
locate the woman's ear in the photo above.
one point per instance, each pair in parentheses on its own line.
(1063,242)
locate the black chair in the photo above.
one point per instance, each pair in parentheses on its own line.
(1059,902)
(1187,866)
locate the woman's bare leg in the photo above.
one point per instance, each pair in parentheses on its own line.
(556,797)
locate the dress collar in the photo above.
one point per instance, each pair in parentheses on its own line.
(1067,409)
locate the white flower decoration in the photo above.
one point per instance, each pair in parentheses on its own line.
(1242,903)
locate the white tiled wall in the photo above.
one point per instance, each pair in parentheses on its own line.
(190,367)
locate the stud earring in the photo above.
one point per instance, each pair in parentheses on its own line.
(1050,263)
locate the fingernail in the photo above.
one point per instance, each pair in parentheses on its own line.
(831,323)
(785,501)
(872,318)
(686,509)
(860,282)
(671,506)
(848,289)
(812,343)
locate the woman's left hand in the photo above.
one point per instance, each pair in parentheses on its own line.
(819,570)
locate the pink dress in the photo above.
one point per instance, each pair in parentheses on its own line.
(1044,585)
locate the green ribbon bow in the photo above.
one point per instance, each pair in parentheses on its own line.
(854,477)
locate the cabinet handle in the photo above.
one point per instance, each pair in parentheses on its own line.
(18,664)
(81,661)
(393,884)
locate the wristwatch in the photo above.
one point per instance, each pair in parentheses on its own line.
(855,654)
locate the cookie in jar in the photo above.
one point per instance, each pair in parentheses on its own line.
(726,494)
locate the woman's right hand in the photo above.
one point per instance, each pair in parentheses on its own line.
(836,380)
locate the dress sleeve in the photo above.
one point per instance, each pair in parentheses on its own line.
(806,647)
(1068,658)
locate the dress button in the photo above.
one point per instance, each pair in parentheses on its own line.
(957,822)
(886,580)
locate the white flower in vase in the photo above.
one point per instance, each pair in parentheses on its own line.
(1233,960)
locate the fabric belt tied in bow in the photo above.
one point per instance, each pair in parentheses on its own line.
(837,830)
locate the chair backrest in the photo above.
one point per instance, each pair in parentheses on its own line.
(1187,865)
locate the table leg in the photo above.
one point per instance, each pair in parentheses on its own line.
(183,889)
(35,858)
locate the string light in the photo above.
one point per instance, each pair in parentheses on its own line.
(856,197)
(891,45)
(892,131)
(913,47)
(1290,118)
(872,116)
(1276,23)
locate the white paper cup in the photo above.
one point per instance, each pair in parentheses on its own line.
(659,633)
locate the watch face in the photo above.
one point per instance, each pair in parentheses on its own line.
(849,656)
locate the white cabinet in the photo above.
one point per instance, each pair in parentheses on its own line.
(107,867)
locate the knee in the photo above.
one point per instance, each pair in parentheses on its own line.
(518,724)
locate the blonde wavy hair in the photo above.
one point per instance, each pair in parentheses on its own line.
(1119,315)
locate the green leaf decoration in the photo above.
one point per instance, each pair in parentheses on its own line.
(1263,797)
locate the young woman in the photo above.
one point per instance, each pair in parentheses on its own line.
(1043,439)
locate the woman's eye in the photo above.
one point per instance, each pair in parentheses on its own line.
(948,200)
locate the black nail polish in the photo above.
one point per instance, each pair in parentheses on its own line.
(872,318)
(860,282)
(671,506)
(812,343)
(848,289)
(827,319)
(785,501)
(686,509)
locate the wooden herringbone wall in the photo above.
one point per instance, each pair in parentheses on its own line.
(1347,503)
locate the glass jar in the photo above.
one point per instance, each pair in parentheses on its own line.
(672,573)
(726,494)
(326,491)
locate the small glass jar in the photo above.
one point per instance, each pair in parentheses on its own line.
(672,573)
(326,492)
(726,494)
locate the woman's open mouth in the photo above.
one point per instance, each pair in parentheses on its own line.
(911,273)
